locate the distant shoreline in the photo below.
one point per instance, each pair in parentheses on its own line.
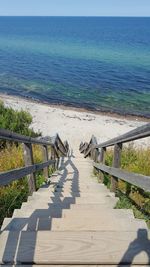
(76,108)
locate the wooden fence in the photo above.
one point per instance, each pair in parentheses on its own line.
(97,153)
(57,149)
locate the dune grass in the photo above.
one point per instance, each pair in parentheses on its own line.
(11,157)
(135,160)
(12,195)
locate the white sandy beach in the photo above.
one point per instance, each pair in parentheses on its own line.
(73,124)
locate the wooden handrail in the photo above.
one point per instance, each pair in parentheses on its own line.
(16,174)
(57,148)
(139,180)
(92,150)
(14,137)
(64,151)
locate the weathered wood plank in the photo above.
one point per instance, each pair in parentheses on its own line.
(84,147)
(90,147)
(14,137)
(138,180)
(100,247)
(102,160)
(116,164)
(7,177)
(87,265)
(28,159)
(61,146)
(45,159)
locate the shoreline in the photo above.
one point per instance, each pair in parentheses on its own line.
(77,109)
(74,124)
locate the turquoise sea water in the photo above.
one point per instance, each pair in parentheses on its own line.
(96,63)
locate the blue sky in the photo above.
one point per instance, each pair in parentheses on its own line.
(74,7)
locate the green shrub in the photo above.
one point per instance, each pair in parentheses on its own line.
(11,157)
(15,121)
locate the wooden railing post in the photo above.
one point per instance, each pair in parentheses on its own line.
(116,164)
(102,160)
(53,156)
(92,153)
(45,158)
(96,155)
(28,159)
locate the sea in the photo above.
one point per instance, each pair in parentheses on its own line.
(96,63)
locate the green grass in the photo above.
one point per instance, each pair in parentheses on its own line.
(126,203)
(135,160)
(11,197)
(11,157)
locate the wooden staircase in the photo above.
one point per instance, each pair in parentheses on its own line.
(72,221)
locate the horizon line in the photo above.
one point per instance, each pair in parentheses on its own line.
(80,16)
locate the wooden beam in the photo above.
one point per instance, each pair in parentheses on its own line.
(138,180)
(10,176)
(14,137)
(61,145)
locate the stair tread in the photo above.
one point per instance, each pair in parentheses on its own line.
(89,247)
(35,223)
(75,200)
(45,205)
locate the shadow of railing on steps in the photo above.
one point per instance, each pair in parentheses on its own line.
(58,202)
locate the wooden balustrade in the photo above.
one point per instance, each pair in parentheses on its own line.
(57,148)
(97,154)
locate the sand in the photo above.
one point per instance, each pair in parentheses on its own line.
(74,125)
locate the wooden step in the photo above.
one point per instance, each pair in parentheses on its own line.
(45,205)
(66,204)
(97,212)
(72,188)
(89,195)
(97,223)
(45,247)
(73,200)
(79,210)
(68,183)
(37,222)
(20,218)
